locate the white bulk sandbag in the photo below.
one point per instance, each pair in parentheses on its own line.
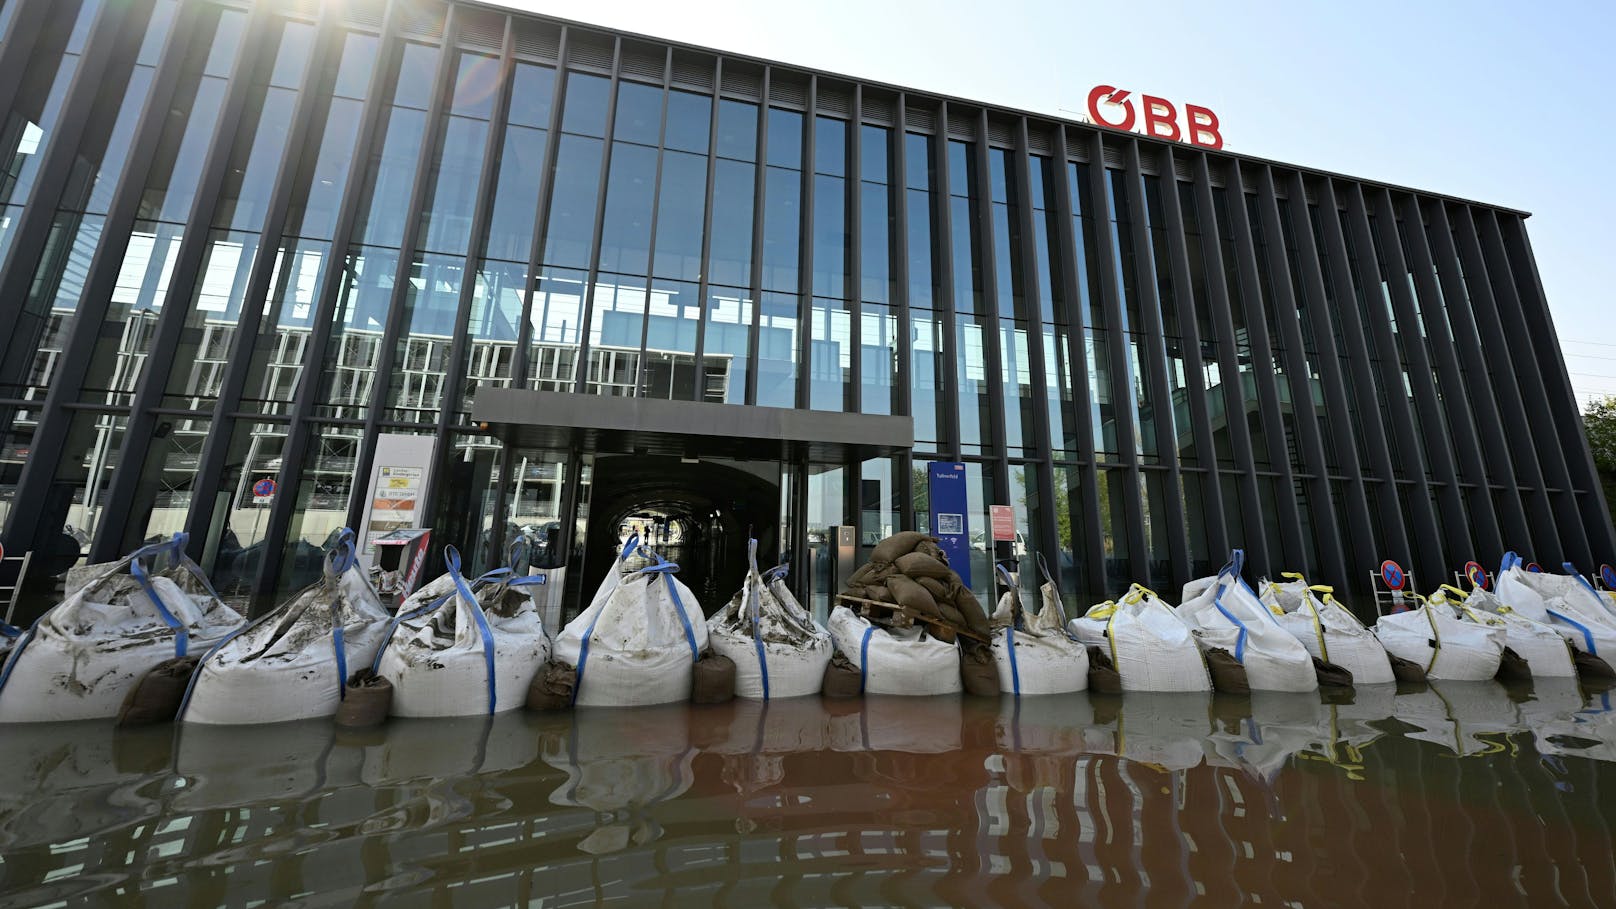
(81,658)
(8,639)
(1038,657)
(293,663)
(1540,645)
(1445,646)
(1327,629)
(1567,603)
(778,651)
(1151,647)
(474,652)
(1225,613)
(639,640)
(903,661)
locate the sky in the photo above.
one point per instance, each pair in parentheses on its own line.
(1505,103)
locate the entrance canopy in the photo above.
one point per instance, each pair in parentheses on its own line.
(558,420)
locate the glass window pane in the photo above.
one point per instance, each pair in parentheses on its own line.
(733,193)
(639,113)
(689,121)
(726,345)
(875,238)
(496,316)
(830,237)
(680,212)
(878,359)
(625,241)
(829,355)
(737,130)
(421,354)
(785,138)
(516,194)
(584,112)
(782,229)
(830,147)
(927,377)
(532,94)
(554,317)
(476,83)
(777,351)
(446,222)
(569,236)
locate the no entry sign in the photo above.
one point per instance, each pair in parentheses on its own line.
(1476,574)
(263,491)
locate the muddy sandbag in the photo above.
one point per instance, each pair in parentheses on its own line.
(1332,674)
(979,672)
(552,687)
(965,601)
(929,547)
(938,590)
(899,544)
(156,697)
(919,565)
(842,679)
(367,699)
(1593,668)
(1406,670)
(714,680)
(1103,675)
(1228,676)
(1513,667)
(878,593)
(911,595)
(858,593)
(870,573)
(951,615)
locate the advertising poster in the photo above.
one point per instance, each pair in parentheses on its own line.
(397,482)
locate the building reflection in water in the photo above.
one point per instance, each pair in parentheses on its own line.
(1456,793)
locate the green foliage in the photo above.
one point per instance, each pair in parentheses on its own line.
(1599,421)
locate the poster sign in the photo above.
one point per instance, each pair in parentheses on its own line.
(264,491)
(1004,523)
(1476,574)
(398,480)
(949,515)
(1392,574)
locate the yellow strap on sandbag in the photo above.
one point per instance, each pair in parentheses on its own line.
(1101,610)
(1322,588)
(1136,594)
(1436,636)
(1318,629)
(1452,589)
(1293,575)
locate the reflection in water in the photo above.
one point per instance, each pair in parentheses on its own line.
(1455,793)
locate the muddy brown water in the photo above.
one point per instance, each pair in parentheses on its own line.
(1454,795)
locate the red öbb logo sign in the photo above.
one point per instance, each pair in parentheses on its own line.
(1155,117)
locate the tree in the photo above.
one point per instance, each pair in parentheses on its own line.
(1599,422)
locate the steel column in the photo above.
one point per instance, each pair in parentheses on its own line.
(541,223)
(1045,529)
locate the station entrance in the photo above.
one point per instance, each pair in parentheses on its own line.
(699,515)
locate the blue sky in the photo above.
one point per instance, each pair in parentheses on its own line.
(1507,103)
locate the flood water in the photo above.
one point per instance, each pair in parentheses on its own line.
(1458,794)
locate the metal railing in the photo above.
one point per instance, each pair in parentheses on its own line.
(10,593)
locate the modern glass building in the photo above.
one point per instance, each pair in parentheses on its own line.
(596,283)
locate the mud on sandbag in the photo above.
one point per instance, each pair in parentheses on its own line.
(1331,675)
(1513,667)
(1103,675)
(552,687)
(1228,676)
(367,700)
(878,593)
(929,547)
(899,544)
(156,697)
(714,680)
(1406,670)
(938,590)
(918,565)
(1593,668)
(978,671)
(911,595)
(842,679)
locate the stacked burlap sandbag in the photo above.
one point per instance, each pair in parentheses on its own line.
(910,570)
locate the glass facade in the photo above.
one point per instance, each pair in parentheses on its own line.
(352,223)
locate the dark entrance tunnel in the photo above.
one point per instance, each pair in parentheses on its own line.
(699,515)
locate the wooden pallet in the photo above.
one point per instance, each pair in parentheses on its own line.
(894,615)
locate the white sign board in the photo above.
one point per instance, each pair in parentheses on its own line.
(398,479)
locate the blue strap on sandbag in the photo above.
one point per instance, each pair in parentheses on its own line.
(1237,563)
(757,628)
(182,639)
(451,558)
(629,546)
(1572,570)
(864,658)
(662,569)
(1587,633)
(16,652)
(392,626)
(340,559)
(1240,642)
(190,686)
